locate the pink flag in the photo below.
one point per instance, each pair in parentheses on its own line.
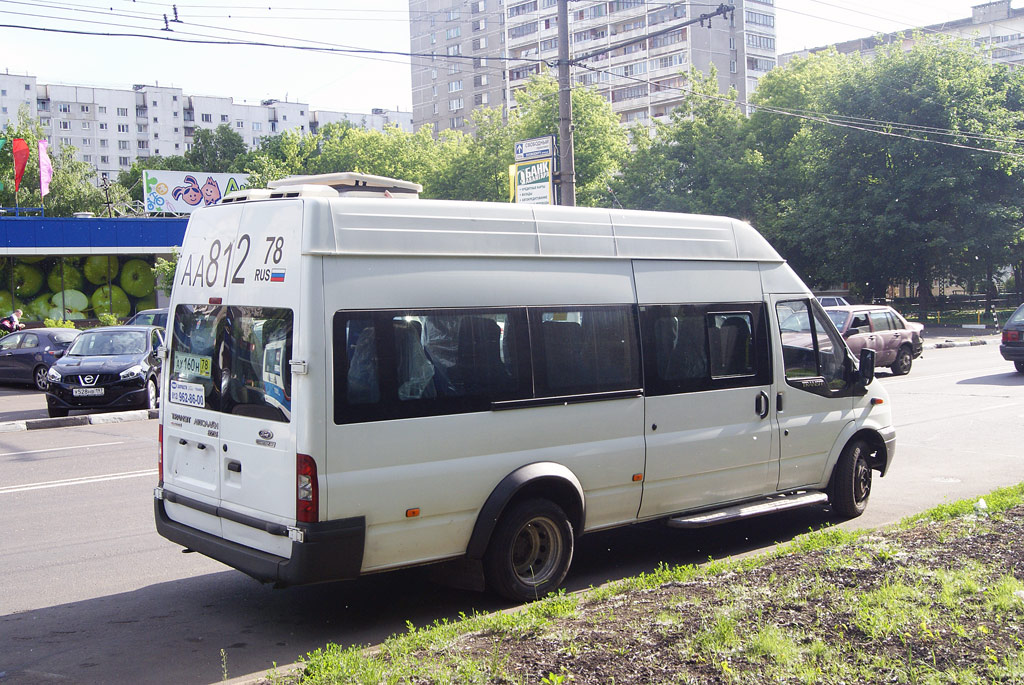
(45,168)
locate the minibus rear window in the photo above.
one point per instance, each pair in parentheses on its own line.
(233,360)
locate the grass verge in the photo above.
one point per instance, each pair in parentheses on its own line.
(936,598)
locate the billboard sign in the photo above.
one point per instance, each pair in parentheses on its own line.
(535,148)
(183,192)
(534,183)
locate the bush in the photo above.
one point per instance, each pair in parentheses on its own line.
(58,323)
(107,319)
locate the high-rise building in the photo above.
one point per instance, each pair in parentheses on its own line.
(111,128)
(641,77)
(994,26)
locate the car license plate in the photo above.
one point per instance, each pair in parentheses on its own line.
(87,392)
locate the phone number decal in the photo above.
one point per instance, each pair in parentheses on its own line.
(189,394)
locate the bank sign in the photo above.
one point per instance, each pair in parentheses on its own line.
(534,183)
(183,192)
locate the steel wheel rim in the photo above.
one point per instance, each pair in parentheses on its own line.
(41,379)
(861,481)
(904,361)
(536,550)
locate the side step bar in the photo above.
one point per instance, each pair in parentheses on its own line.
(769,505)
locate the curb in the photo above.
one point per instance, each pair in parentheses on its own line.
(954,343)
(84,420)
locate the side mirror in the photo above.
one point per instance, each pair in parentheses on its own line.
(866,372)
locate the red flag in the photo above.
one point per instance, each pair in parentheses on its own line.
(20,149)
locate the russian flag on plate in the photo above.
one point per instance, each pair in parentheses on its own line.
(277,275)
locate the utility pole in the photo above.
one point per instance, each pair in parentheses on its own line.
(567,173)
(566,161)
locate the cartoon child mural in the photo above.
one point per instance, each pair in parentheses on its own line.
(190,193)
(211,192)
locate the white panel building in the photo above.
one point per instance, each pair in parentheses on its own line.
(643,80)
(112,128)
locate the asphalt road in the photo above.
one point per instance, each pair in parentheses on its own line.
(91,594)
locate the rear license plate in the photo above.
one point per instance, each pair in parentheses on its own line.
(87,392)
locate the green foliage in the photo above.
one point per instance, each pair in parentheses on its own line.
(107,319)
(163,271)
(58,323)
(215,150)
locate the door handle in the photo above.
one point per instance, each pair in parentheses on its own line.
(778,401)
(762,404)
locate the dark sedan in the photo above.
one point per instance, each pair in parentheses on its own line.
(26,356)
(115,367)
(1012,347)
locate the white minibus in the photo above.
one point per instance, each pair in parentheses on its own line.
(359,380)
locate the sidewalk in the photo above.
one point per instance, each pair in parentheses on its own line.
(939,337)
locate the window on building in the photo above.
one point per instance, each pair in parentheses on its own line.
(84,108)
(761,42)
(65,125)
(522,8)
(102,109)
(124,161)
(122,111)
(104,142)
(122,128)
(223,118)
(66,141)
(155,120)
(453,14)
(480,99)
(156,136)
(104,159)
(479,43)
(759,18)
(732,66)
(86,142)
(455,105)
(45,123)
(454,50)
(453,32)
(239,124)
(454,68)
(64,108)
(480,80)
(435,108)
(87,158)
(760,64)
(123,145)
(479,24)
(174,98)
(257,126)
(140,128)
(522,30)
(206,118)
(103,126)
(143,144)
(454,86)
(456,122)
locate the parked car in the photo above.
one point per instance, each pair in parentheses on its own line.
(1012,347)
(896,341)
(107,368)
(149,317)
(833,301)
(26,356)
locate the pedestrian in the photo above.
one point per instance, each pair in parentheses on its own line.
(12,322)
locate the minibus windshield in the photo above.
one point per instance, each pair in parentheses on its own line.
(233,360)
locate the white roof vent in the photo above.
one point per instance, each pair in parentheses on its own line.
(246,194)
(301,190)
(348,184)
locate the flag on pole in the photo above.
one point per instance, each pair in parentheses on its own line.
(45,168)
(20,150)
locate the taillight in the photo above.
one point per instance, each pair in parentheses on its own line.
(307,500)
(1011,336)
(160,458)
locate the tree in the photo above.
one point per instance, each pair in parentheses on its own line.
(214,150)
(72,188)
(600,141)
(131,178)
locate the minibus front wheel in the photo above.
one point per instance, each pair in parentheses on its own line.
(850,487)
(530,550)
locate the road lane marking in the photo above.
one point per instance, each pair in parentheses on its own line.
(58,449)
(10,489)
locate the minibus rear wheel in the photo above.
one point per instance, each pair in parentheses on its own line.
(530,550)
(851,480)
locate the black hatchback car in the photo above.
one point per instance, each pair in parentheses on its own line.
(26,356)
(113,367)
(1012,347)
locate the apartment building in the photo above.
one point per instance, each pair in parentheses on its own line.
(641,78)
(112,128)
(994,26)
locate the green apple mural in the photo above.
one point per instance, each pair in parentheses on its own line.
(137,278)
(82,293)
(97,267)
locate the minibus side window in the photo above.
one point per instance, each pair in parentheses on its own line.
(694,347)
(811,348)
(580,350)
(410,363)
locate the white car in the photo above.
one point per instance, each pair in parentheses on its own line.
(833,301)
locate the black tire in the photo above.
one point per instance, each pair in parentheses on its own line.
(1019,365)
(530,550)
(851,480)
(56,413)
(39,378)
(152,398)
(904,360)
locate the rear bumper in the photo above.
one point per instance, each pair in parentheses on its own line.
(332,550)
(1012,353)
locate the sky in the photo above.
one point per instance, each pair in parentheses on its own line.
(337,82)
